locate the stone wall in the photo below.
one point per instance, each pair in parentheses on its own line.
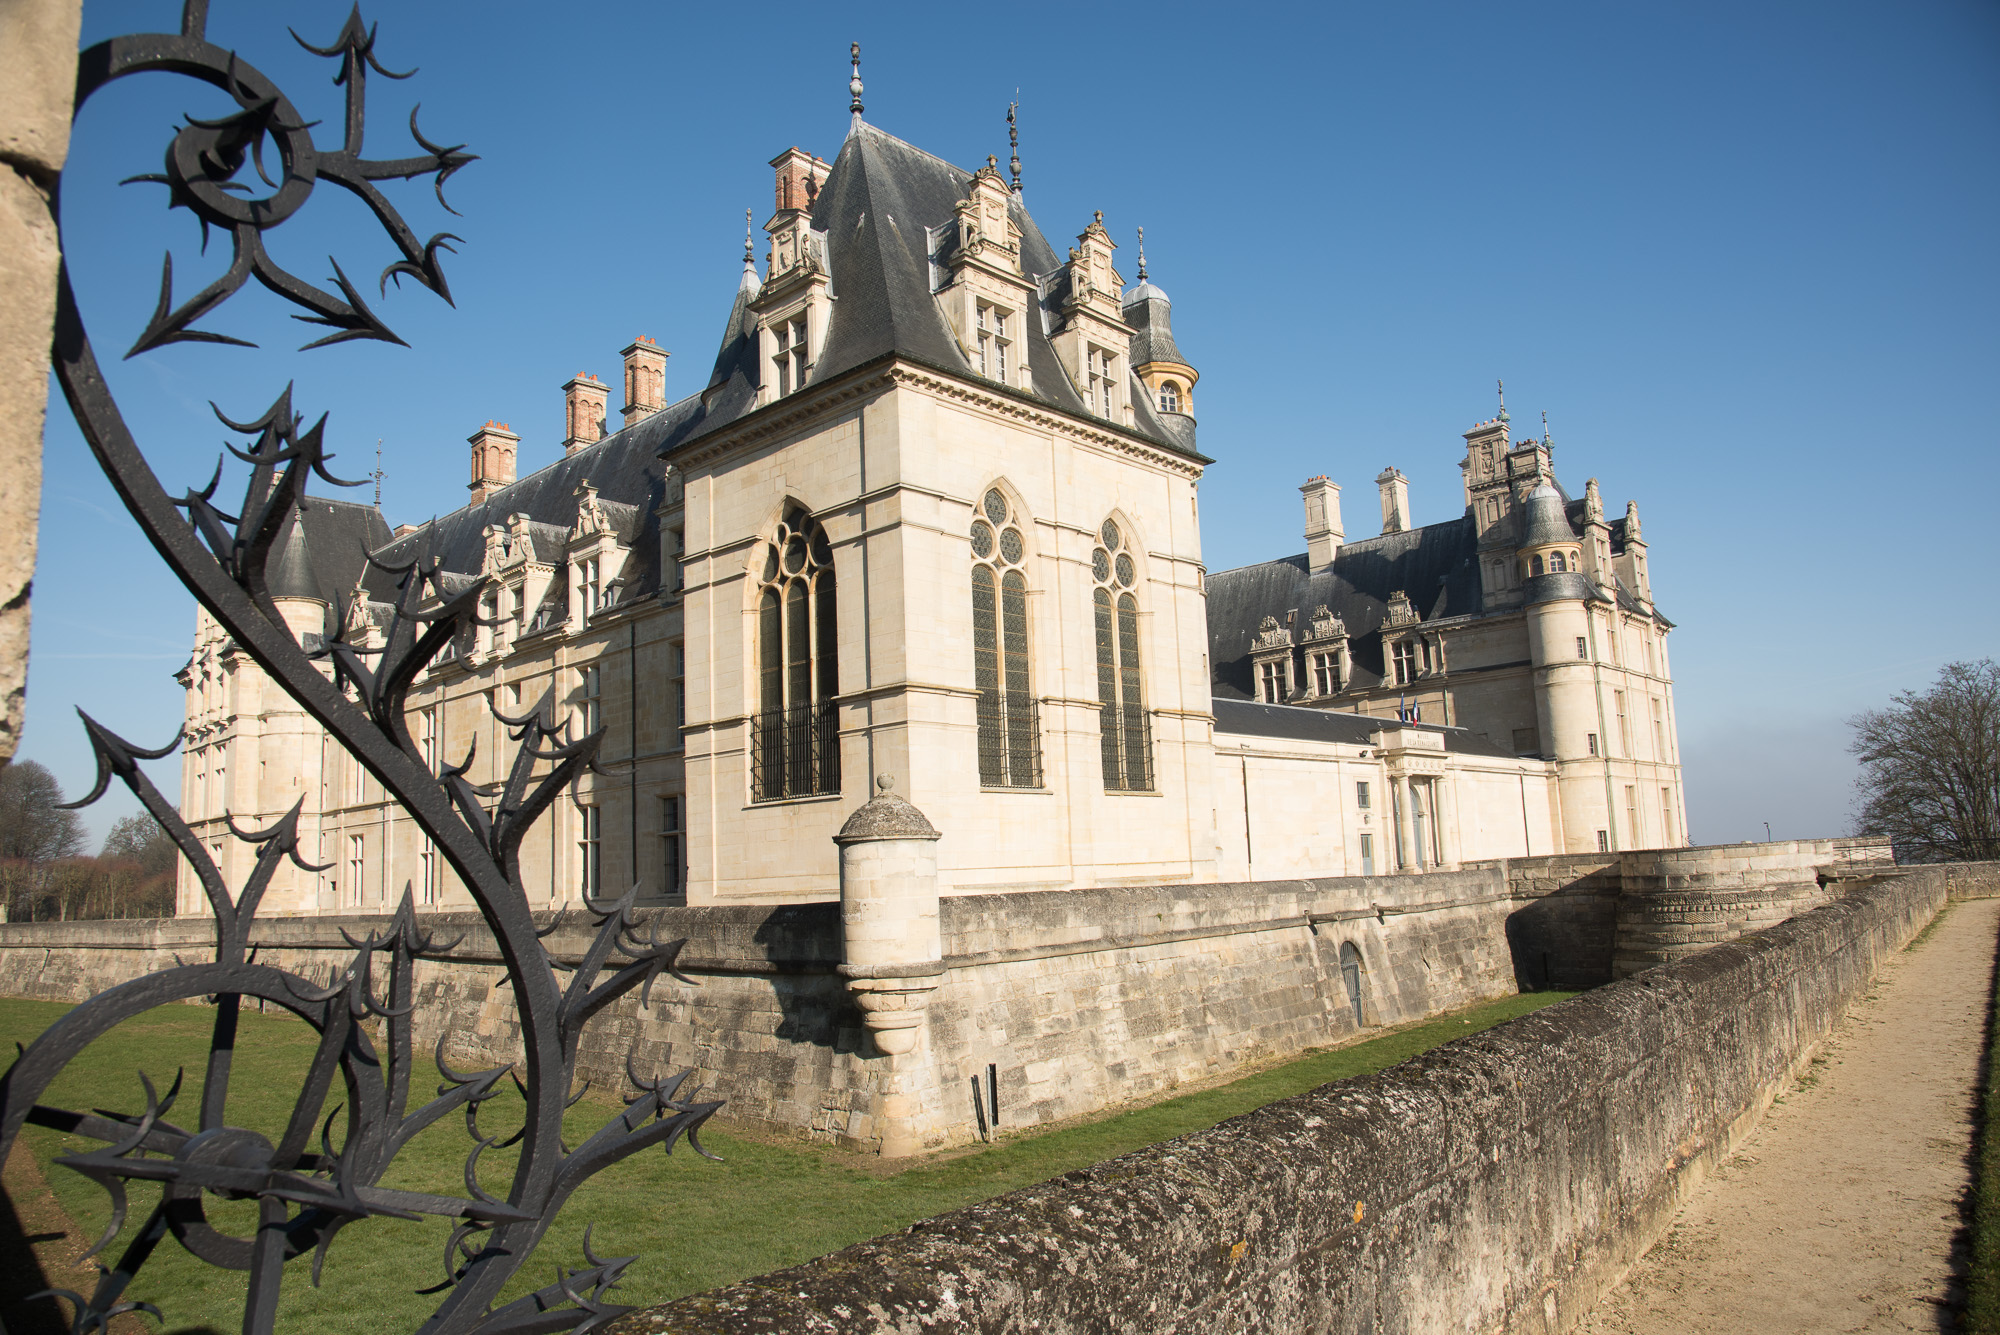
(1973,880)
(1080,999)
(1498,1183)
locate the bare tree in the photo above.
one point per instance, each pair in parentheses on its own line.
(1930,768)
(35,834)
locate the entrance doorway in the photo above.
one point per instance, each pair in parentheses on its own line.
(1351,971)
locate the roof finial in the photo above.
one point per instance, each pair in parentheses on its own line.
(1503,399)
(1545,426)
(378,474)
(1014,144)
(854,84)
(749,250)
(1142,254)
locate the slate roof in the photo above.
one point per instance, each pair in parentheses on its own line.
(881,199)
(1434,564)
(319,550)
(1245,718)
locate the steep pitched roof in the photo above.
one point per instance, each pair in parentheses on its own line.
(1434,565)
(1245,718)
(881,198)
(319,551)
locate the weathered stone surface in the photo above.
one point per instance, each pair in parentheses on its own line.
(37,78)
(1501,1182)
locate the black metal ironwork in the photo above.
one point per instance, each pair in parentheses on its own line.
(795,752)
(1010,740)
(310,1186)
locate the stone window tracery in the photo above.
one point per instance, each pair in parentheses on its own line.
(1125,732)
(795,734)
(1405,655)
(1009,729)
(1170,397)
(996,341)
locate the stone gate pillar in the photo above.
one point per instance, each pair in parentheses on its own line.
(892,953)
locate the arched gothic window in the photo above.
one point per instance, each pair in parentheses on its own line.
(1170,397)
(1556,563)
(1009,732)
(1535,564)
(795,742)
(1126,731)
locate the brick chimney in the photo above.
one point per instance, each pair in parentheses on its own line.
(584,400)
(645,378)
(493,447)
(1324,533)
(800,175)
(1395,500)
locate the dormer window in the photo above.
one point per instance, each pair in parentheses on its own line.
(1170,397)
(1406,662)
(791,354)
(1101,384)
(996,342)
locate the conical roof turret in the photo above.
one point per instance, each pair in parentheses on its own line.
(292,574)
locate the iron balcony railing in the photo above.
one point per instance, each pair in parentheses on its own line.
(795,752)
(1010,741)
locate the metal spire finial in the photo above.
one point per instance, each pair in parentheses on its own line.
(1014,144)
(1545,427)
(378,474)
(1142,254)
(854,84)
(1503,399)
(749,250)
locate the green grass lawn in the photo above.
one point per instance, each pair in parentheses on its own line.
(694,1224)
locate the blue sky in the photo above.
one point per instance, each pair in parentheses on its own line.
(1742,254)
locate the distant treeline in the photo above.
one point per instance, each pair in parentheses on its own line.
(45,876)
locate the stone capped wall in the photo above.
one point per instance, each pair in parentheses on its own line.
(1501,1182)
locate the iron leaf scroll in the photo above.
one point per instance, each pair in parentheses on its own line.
(245,174)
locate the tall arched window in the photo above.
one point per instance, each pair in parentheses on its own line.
(1009,732)
(795,739)
(1126,733)
(1535,564)
(1170,397)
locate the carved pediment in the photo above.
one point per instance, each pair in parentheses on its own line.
(1270,635)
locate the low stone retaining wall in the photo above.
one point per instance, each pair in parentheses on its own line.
(1973,880)
(1498,1183)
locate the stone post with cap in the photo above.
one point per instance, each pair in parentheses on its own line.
(892,954)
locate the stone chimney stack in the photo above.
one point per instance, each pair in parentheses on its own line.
(493,447)
(584,401)
(645,379)
(800,175)
(1324,533)
(1395,500)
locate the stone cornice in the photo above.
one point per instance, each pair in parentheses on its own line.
(1007,406)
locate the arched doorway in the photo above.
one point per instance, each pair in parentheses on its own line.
(1351,972)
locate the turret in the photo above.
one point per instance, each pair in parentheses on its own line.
(1156,359)
(294,583)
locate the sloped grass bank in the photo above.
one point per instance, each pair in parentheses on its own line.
(694,1224)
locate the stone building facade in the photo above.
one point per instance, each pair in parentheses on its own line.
(934,515)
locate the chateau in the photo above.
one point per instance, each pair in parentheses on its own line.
(934,517)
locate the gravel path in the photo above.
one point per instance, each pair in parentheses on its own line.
(1841,1211)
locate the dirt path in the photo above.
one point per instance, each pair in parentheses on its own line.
(1840,1212)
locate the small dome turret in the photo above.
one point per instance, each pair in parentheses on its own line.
(1551,553)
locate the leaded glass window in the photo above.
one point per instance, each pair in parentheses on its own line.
(1009,728)
(1125,729)
(795,735)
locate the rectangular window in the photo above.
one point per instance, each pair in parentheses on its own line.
(357,780)
(1367,855)
(1669,832)
(590,585)
(1101,382)
(427,738)
(590,699)
(1406,662)
(1603,841)
(427,874)
(799,352)
(357,868)
(677,538)
(783,332)
(1632,816)
(1593,743)
(995,342)
(1659,732)
(677,662)
(1582,647)
(1326,674)
(1361,794)
(1624,729)
(1269,683)
(673,854)
(1611,641)
(1647,640)
(589,849)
